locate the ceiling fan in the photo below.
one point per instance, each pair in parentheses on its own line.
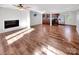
(22,6)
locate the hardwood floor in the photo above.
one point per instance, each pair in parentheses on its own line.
(41,40)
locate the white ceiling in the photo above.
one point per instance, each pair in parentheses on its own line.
(57,8)
(54,8)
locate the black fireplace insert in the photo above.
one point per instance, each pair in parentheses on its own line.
(11,23)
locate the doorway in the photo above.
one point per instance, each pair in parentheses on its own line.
(55,19)
(46,19)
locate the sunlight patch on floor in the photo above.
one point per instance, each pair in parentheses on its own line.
(48,51)
(16,36)
(16,33)
(43,50)
(57,51)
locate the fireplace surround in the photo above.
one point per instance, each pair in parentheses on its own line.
(11,23)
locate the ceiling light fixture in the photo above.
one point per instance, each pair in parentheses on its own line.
(22,6)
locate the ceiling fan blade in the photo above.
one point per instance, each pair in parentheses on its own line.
(22,6)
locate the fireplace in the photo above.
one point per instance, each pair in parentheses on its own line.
(11,23)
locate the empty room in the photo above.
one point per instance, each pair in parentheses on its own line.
(39,29)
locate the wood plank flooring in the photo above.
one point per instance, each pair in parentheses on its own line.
(41,40)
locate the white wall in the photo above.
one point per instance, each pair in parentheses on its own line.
(69,17)
(77,22)
(35,20)
(25,18)
(12,14)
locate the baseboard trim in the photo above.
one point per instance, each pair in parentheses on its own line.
(35,25)
(67,25)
